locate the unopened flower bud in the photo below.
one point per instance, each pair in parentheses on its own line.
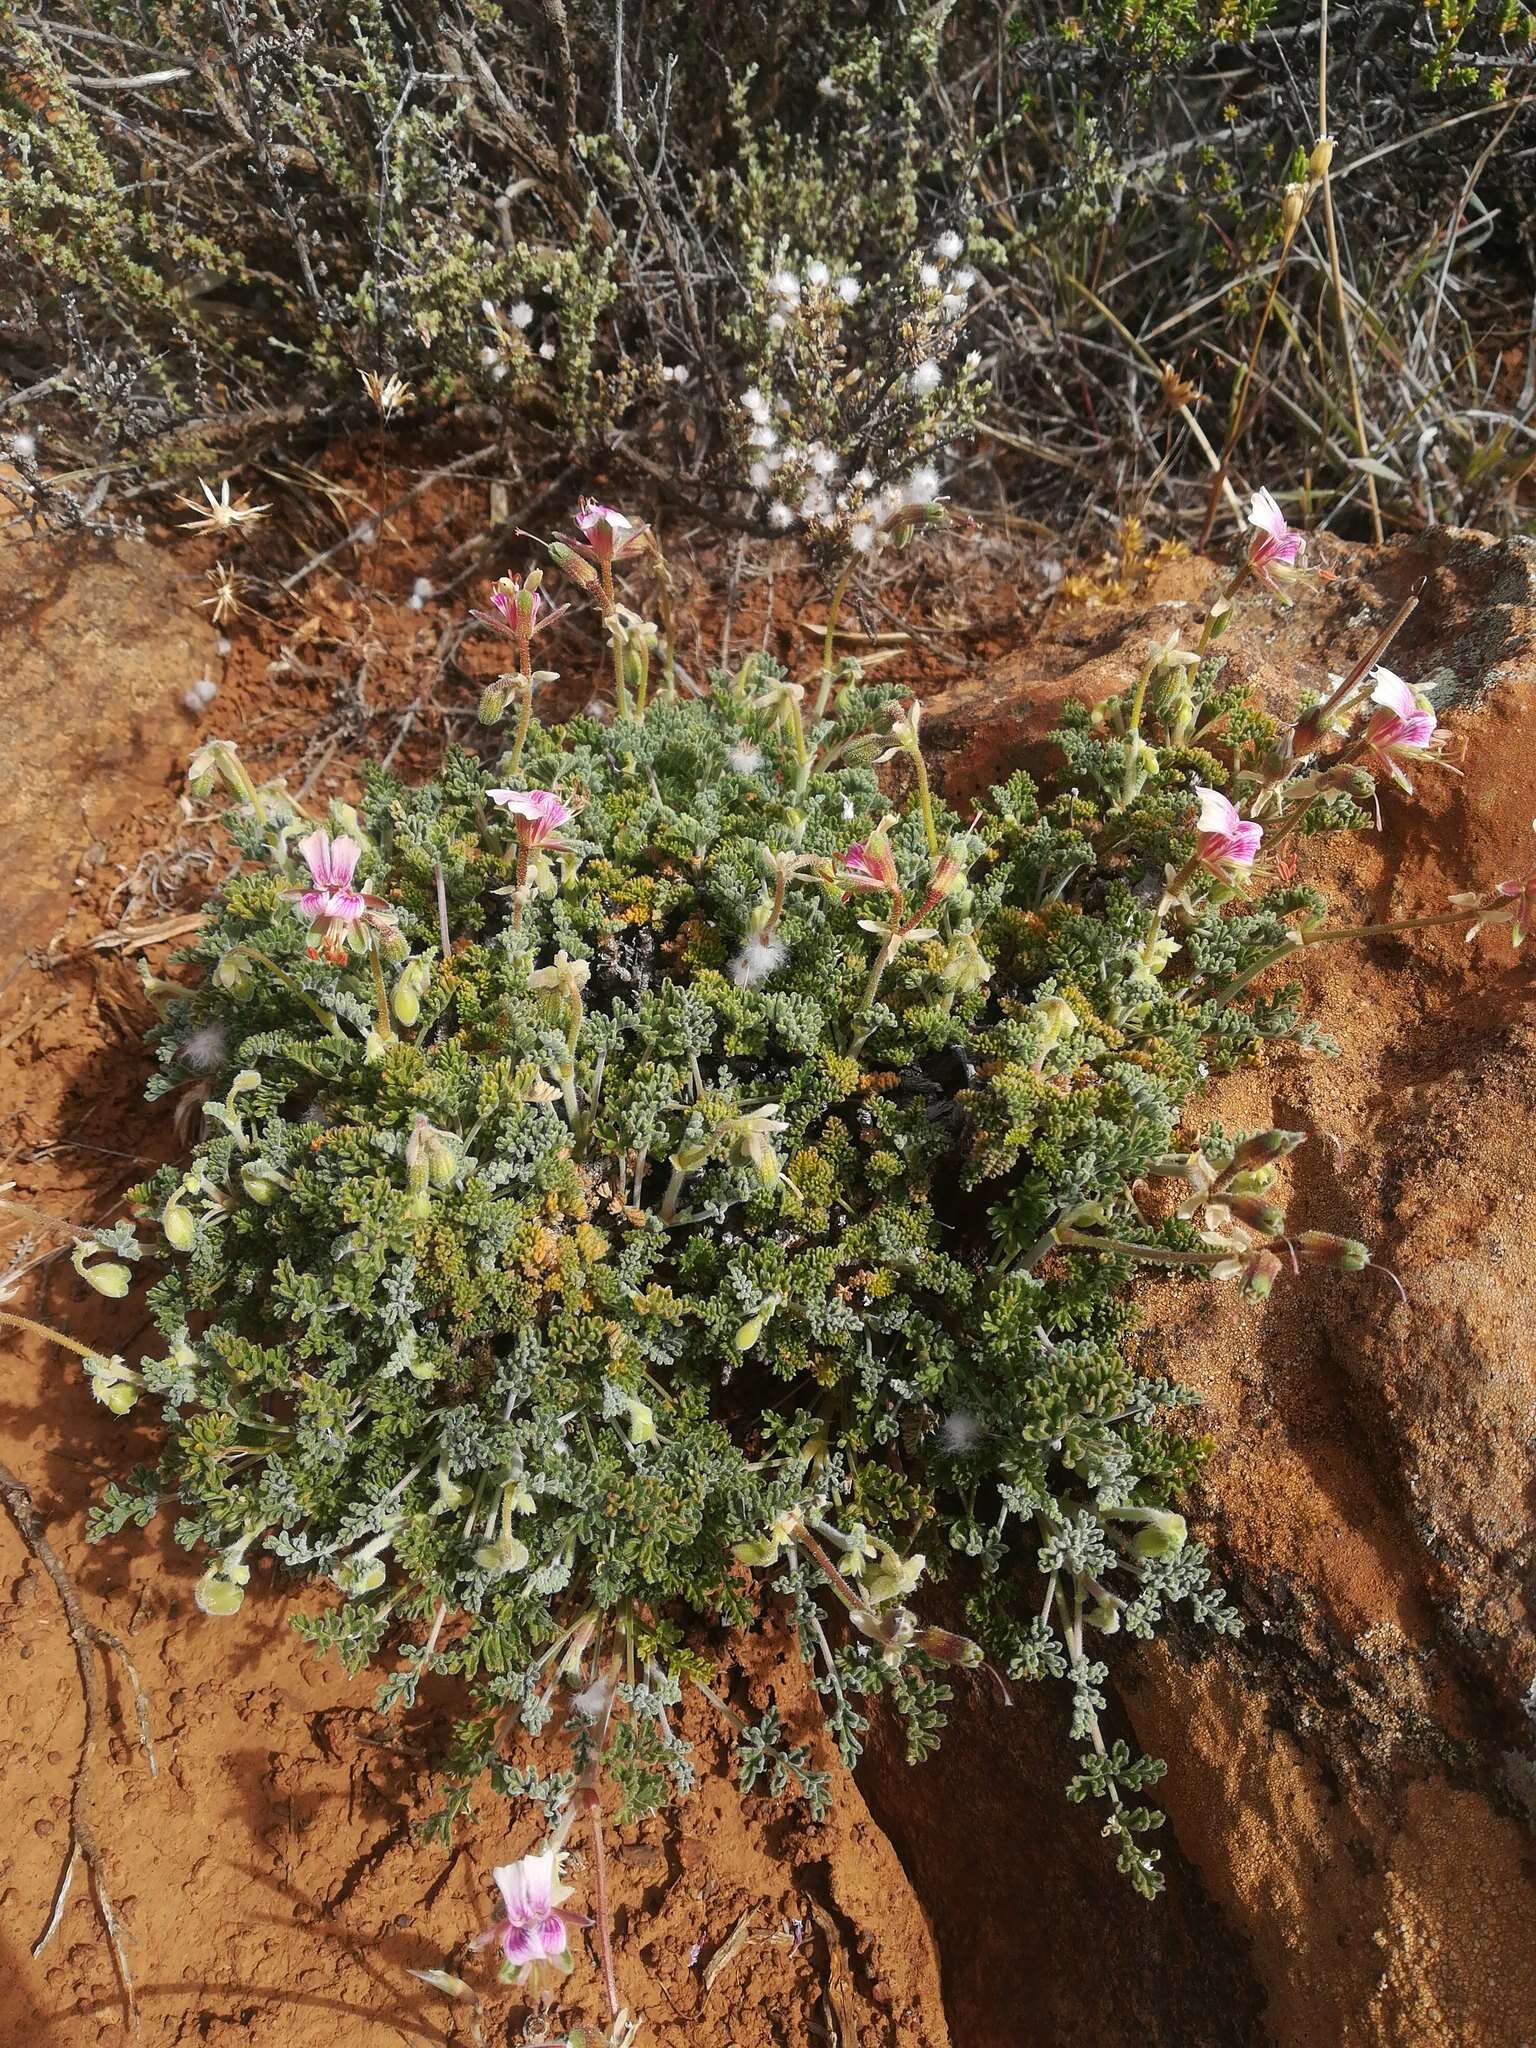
(494,699)
(574,565)
(1320,159)
(1338,1254)
(1255,1212)
(260,1187)
(642,1421)
(221,1589)
(1267,1145)
(450,1495)
(119,1397)
(944,1647)
(1218,619)
(1104,1615)
(1260,1273)
(1057,1019)
(360,1575)
(409,989)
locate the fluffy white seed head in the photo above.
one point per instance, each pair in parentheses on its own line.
(758,958)
(959,1433)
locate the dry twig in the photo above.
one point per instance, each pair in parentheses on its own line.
(87,1637)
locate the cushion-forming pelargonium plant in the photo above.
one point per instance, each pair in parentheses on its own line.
(697,1182)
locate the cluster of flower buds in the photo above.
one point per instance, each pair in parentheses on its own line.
(518,612)
(432,1159)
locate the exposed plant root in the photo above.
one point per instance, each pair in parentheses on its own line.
(87,1638)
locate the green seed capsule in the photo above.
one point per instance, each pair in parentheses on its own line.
(1103,1615)
(179,1228)
(109,1279)
(261,1189)
(233,974)
(1163,1535)
(221,1589)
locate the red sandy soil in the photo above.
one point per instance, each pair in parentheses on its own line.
(1343,1858)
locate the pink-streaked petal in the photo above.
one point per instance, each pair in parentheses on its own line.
(1217,812)
(539,808)
(345,855)
(346,905)
(315,851)
(550,1935)
(517,801)
(1392,692)
(314,903)
(525,1886)
(520,1945)
(1265,514)
(331,862)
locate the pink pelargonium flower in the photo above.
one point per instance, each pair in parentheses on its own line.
(535,1930)
(515,605)
(869,867)
(538,815)
(1278,546)
(1226,842)
(608,535)
(1511,903)
(340,914)
(1402,729)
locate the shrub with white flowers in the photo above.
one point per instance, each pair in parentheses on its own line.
(855,396)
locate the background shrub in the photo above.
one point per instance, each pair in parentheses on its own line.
(568,230)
